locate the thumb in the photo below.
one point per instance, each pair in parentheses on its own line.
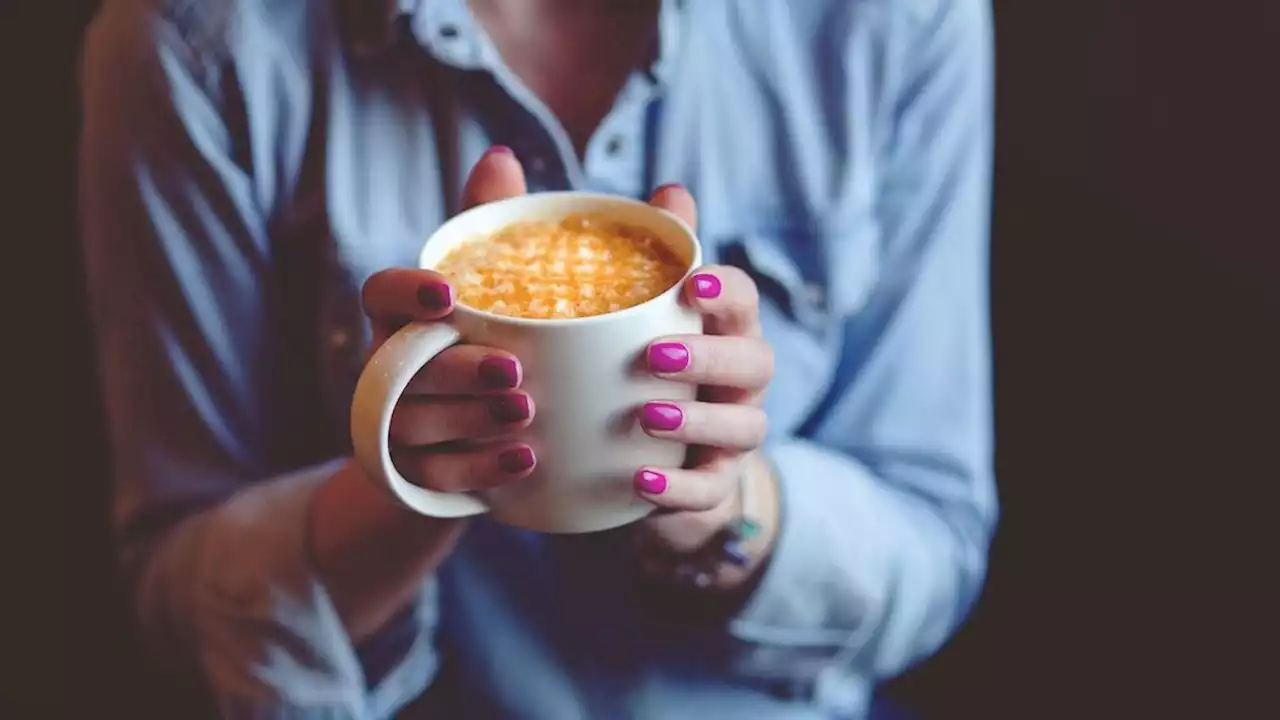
(674,198)
(496,176)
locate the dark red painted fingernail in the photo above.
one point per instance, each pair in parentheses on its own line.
(509,408)
(435,296)
(661,416)
(651,482)
(501,150)
(515,460)
(499,373)
(668,357)
(706,286)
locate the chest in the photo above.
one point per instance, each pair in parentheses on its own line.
(785,185)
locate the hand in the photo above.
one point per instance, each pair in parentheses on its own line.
(371,553)
(732,365)
(445,426)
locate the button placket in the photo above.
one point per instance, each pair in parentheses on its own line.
(614,159)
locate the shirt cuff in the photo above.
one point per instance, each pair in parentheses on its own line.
(823,585)
(265,630)
(863,579)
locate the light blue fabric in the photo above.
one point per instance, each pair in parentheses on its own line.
(244,171)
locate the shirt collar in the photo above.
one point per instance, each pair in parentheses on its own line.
(448,30)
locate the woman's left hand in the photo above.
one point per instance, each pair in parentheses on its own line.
(725,426)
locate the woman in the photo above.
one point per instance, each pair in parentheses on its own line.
(256,176)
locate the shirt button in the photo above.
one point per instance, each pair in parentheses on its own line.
(339,339)
(448,32)
(538,165)
(614,146)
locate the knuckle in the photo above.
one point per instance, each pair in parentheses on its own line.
(768,358)
(713,362)
(405,428)
(453,472)
(758,429)
(370,290)
(680,533)
(707,499)
(416,468)
(738,279)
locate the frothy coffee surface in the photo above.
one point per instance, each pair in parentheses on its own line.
(581,266)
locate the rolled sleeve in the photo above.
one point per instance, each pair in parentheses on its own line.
(204,398)
(238,585)
(861,572)
(888,492)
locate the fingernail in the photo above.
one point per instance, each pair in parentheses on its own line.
(661,416)
(499,373)
(435,296)
(515,460)
(650,482)
(508,408)
(706,285)
(501,150)
(668,357)
(669,186)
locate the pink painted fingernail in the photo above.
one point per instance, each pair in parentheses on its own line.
(501,150)
(499,373)
(661,416)
(504,409)
(706,286)
(516,460)
(435,296)
(668,357)
(668,186)
(648,481)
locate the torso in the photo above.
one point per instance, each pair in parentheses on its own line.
(354,171)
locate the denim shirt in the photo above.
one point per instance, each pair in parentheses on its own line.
(245,168)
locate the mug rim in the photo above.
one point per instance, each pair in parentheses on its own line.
(606,198)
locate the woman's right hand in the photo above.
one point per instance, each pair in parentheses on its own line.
(452,429)
(371,553)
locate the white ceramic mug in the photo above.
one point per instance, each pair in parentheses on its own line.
(587,378)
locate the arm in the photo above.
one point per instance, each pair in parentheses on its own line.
(214,507)
(888,504)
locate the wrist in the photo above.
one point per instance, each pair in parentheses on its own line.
(753,525)
(371,553)
(740,536)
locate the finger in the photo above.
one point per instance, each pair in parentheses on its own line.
(719,360)
(675,199)
(686,490)
(419,421)
(679,533)
(719,425)
(466,469)
(396,296)
(467,370)
(727,297)
(497,175)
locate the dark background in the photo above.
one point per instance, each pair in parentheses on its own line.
(1136,300)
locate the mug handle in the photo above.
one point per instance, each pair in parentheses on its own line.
(378,390)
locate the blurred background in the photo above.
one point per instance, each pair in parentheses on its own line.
(1136,301)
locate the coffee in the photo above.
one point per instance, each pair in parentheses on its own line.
(581,266)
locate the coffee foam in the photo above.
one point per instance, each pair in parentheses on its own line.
(581,266)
